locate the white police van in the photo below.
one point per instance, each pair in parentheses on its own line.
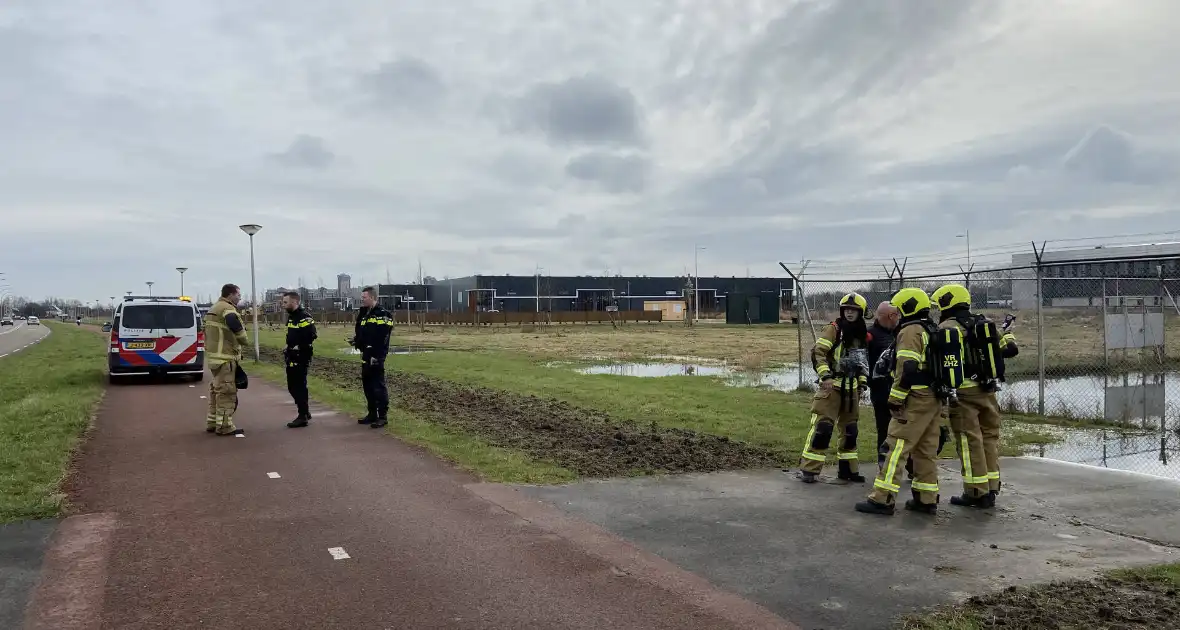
(156,336)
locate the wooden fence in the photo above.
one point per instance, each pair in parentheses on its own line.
(502,318)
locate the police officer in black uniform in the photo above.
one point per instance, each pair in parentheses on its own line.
(301,334)
(374,325)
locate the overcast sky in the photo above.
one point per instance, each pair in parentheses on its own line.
(493,137)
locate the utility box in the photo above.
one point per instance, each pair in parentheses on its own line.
(752,308)
(672,310)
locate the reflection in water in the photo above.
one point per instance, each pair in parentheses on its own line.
(1134,401)
(1154,453)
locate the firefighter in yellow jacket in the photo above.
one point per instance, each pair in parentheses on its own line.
(975,415)
(916,408)
(225,335)
(840,358)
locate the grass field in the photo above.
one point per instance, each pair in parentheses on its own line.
(764,417)
(1139,598)
(47,395)
(1073,342)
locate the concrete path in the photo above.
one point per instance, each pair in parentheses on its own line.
(803,552)
(20,336)
(333,526)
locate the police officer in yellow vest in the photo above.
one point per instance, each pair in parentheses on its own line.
(225,335)
(840,358)
(916,407)
(975,415)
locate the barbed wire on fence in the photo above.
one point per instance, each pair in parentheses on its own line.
(1097,377)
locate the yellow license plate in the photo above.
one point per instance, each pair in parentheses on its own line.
(141,345)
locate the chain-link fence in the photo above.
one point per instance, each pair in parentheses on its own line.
(1097,378)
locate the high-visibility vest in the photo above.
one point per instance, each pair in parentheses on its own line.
(221,344)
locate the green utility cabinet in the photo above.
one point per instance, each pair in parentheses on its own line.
(752,308)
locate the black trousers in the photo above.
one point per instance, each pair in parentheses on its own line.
(879,395)
(297,384)
(373,381)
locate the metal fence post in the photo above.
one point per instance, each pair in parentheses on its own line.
(799,344)
(1040,344)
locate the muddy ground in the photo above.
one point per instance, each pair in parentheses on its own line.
(1106,603)
(586,441)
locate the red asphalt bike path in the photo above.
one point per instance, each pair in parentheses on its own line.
(177,528)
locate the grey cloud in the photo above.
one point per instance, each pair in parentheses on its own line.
(758,183)
(615,173)
(405,83)
(1101,153)
(306,152)
(523,168)
(818,60)
(1109,155)
(583,110)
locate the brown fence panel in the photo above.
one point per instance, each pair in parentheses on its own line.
(514,318)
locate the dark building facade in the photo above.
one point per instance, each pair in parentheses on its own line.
(594,293)
(401,297)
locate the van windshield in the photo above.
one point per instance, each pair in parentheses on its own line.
(148,316)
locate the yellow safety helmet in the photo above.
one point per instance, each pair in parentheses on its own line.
(910,301)
(951,295)
(854,300)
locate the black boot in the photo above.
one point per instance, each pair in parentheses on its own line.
(845,473)
(869,506)
(808,477)
(367,419)
(379,421)
(915,504)
(983,501)
(300,421)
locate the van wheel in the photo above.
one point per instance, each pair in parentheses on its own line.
(200,377)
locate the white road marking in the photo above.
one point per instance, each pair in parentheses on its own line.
(17,350)
(202,397)
(3,355)
(192,386)
(338,553)
(273,475)
(240,435)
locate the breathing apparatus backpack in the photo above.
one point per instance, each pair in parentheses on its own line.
(944,359)
(985,362)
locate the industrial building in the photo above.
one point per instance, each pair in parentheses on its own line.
(582,293)
(1084,277)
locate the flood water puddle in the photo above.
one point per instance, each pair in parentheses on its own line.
(1149,443)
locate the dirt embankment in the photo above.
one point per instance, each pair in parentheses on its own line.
(1106,603)
(586,441)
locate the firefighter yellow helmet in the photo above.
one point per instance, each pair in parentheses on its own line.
(910,301)
(854,300)
(951,295)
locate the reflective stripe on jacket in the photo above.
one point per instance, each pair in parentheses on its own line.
(222,343)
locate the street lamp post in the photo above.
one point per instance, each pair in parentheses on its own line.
(149,283)
(251,229)
(967,235)
(696,278)
(182,270)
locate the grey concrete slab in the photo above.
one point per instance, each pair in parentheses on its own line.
(22,548)
(804,553)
